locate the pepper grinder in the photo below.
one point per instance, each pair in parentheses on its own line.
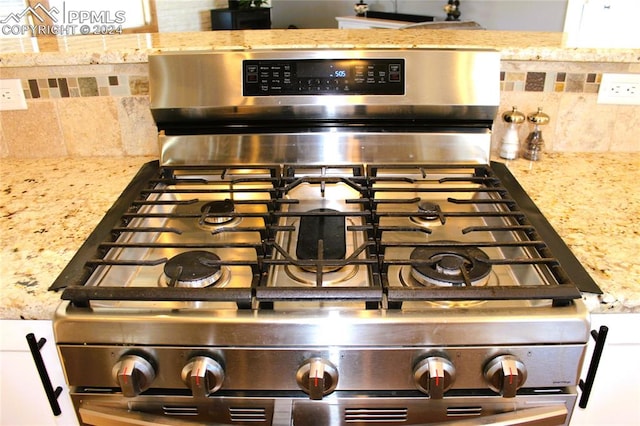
(510,142)
(534,142)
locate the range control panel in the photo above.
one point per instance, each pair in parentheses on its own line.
(323,77)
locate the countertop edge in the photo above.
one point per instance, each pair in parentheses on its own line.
(136,48)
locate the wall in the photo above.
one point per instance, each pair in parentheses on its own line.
(310,13)
(186,15)
(519,15)
(103,110)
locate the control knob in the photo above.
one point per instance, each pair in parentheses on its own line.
(317,377)
(134,374)
(505,374)
(434,376)
(203,375)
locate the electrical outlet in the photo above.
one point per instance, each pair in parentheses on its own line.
(12,95)
(619,89)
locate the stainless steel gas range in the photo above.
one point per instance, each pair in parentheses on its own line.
(323,241)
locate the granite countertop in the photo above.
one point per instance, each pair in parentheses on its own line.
(135,48)
(48,207)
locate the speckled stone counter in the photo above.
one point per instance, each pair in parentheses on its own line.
(48,207)
(593,202)
(135,48)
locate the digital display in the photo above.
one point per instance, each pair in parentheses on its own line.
(323,69)
(303,77)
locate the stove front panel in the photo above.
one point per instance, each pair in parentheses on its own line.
(358,368)
(296,324)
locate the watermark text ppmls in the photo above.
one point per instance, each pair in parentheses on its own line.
(42,20)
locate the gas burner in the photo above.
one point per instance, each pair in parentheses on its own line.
(219,208)
(195,269)
(446,265)
(429,214)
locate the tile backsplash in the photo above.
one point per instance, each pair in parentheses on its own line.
(74,87)
(103,110)
(80,110)
(541,81)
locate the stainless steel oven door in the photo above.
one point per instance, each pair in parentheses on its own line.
(539,416)
(536,408)
(118,416)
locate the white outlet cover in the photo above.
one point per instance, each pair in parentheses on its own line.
(12,95)
(607,95)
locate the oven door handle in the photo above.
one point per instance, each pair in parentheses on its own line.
(538,416)
(118,417)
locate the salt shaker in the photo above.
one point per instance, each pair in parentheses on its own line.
(534,142)
(510,142)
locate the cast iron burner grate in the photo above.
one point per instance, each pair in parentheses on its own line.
(152,181)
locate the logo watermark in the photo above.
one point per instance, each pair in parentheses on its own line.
(42,20)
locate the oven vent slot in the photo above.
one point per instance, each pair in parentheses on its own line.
(464,411)
(247,414)
(180,410)
(375,415)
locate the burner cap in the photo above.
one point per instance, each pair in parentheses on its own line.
(428,214)
(196,268)
(218,207)
(428,210)
(445,263)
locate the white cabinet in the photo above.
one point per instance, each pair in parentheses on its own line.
(23,400)
(615,397)
(602,23)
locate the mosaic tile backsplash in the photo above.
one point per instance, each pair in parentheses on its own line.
(73,87)
(552,81)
